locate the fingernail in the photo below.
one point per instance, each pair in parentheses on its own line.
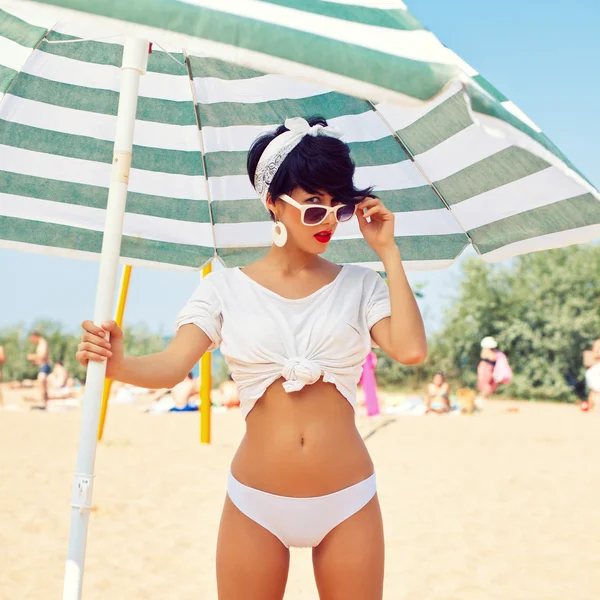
(109,353)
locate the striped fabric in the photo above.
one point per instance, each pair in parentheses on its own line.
(454,159)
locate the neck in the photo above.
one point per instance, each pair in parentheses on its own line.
(290,260)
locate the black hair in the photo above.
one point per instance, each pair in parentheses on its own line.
(441,373)
(35,333)
(317,164)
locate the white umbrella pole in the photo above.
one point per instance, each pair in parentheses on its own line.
(135,60)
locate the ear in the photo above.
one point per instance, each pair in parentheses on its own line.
(271,205)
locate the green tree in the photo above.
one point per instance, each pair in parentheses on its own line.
(544,310)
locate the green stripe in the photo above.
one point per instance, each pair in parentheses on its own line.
(414,78)
(6,78)
(435,247)
(74,238)
(484,104)
(329,105)
(81,147)
(100,53)
(497,170)
(390,19)
(418,247)
(100,101)
(106,53)
(213,67)
(438,125)
(96,197)
(580,211)
(489,88)
(409,200)
(385,151)
(253,210)
(239,211)
(19,31)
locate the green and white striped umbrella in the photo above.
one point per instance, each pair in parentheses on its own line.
(453,158)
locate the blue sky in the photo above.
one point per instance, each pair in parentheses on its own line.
(543,54)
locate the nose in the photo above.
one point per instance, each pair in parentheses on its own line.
(330,221)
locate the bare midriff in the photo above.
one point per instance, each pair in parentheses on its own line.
(301,444)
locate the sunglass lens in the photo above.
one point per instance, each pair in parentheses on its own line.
(314,215)
(346,212)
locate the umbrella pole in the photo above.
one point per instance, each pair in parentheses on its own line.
(205,385)
(135,60)
(125,277)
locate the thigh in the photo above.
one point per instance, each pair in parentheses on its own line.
(349,562)
(252,564)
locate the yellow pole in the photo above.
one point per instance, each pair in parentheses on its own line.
(205,385)
(125,277)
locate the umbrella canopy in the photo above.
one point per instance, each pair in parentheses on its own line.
(453,158)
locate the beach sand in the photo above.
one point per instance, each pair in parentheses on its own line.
(499,505)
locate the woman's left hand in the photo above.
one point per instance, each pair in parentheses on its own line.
(379,231)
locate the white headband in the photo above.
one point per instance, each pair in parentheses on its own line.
(278,149)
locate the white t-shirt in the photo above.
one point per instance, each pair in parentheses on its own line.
(264,336)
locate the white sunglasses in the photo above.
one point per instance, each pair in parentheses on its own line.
(312,214)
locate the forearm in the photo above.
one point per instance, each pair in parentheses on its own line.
(153,371)
(407,332)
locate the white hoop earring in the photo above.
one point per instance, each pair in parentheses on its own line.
(279,233)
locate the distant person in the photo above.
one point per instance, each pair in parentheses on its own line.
(438,391)
(2,361)
(591,360)
(493,368)
(180,394)
(230,397)
(41,358)
(59,377)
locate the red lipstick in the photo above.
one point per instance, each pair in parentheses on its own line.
(323,236)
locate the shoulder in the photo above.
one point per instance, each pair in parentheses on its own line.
(359,273)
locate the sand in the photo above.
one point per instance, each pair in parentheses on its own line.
(499,505)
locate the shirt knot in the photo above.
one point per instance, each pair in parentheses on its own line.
(299,372)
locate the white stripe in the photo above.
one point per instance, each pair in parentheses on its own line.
(399,176)
(417,222)
(97,125)
(266,88)
(560,239)
(414,265)
(462,150)
(416,45)
(85,217)
(106,77)
(33,13)
(403,175)
(258,234)
(83,255)
(400,117)
(515,110)
(75,170)
(497,127)
(364,127)
(13,55)
(534,191)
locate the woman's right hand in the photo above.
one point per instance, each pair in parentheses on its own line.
(95,346)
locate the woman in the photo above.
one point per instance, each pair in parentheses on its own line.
(486,384)
(438,391)
(295,330)
(591,361)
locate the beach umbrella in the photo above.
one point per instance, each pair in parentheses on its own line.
(456,161)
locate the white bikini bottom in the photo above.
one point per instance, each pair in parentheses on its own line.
(300,522)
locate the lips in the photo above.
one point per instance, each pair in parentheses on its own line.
(323,236)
